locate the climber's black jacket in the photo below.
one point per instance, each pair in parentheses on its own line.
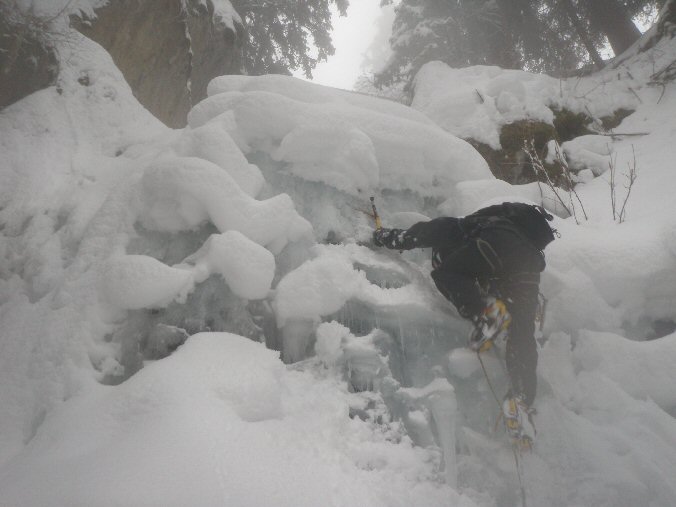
(473,259)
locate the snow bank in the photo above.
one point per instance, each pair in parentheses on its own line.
(138,281)
(84,169)
(409,155)
(264,436)
(306,91)
(601,424)
(211,142)
(626,276)
(58,167)
(472,195)
(181,193)
(330,339)
(626,361)
(343,159)
(475,102)
(247,268)
(133,282)
(322,286)
(59,10)
(588,152)
(336,345)
(47,157)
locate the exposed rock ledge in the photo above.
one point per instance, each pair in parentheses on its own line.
(168,50)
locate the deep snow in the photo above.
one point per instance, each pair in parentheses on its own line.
(120,237)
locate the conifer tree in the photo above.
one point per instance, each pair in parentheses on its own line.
(458,34)
(613,18)
(283,35)
(538,35)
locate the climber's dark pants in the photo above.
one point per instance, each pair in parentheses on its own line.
(499,264)
(522,355)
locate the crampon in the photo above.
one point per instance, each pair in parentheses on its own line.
(518,422)
(492,325)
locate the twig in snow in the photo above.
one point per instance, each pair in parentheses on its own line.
(631,177)
(626,134)
(539,168)
(635,94)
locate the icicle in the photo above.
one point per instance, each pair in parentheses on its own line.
(443,407)
(439,398)
(296,336)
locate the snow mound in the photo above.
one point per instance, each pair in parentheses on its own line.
(227,400)
(181,193)
(87,172)
(623,361)
(620,285)
(132,282)
(343,159)
(623,440)
(475,102)
(588,152)
(211,142)
(409,155)
(322,286)
(305,91)
(247,268)
(137,281)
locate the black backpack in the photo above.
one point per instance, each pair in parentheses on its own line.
(528,220)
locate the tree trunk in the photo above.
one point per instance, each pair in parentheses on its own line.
(503,49)
(582,33)
(612,18)
(520,22)
(666,25)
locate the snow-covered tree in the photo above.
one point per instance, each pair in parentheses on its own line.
(596,22)
(538,35)
(508,33)
(284,35)
(426,30)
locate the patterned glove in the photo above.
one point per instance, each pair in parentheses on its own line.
(380,236)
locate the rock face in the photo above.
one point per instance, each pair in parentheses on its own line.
(27,62)
(168,50)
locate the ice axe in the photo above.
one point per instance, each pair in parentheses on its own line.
(376,217)
(373,214)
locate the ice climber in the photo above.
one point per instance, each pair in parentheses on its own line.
(488,265)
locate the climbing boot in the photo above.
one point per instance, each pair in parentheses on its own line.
(518,422)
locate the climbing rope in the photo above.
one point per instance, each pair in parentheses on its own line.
(517,461)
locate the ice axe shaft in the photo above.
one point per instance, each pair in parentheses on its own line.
(376,217)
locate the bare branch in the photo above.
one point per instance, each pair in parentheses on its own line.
(539,168)
(611,182)
(566,172)
(631,177)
